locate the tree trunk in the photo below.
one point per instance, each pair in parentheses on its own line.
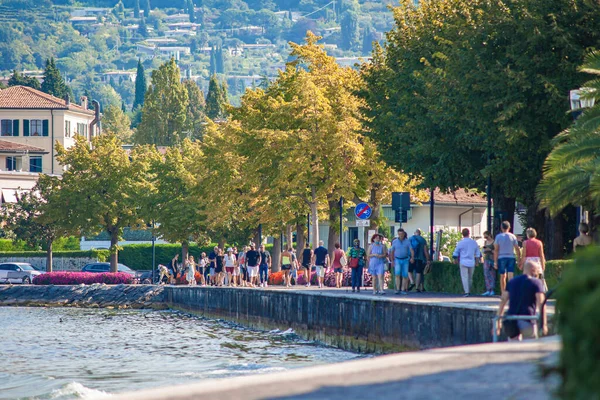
(275,254)
(114,250)
(314,215)
(334,222)
(553,234)
(300,239)
(376,207)
(289,236)
(506,206)
(185,247)
(221,243)
(49,257)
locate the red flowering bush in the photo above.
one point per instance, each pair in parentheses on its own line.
(276,278)
(76,278)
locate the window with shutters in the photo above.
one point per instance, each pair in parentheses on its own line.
(13,163)
(35,127)
(35,164)
(67,128)
(82,129)
(6,127)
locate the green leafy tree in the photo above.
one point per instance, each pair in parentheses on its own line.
(18,79)
(216,99)
(165,107)
(140,86)
(54,83)
(37,217)
(101,188)
(119,11)
(196,107)
(116,122)
(350,30)
(572,169)
(469,104)
(143,28)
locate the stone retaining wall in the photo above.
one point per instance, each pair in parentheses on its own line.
(365,325)
(93,296)
(58,263)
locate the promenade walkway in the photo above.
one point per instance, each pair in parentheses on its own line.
(484,371)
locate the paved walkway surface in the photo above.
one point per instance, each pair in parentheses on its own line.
(442,299)
(486,371)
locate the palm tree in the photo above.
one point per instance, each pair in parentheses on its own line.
(571,172)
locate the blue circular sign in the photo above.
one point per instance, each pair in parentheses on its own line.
(363,211)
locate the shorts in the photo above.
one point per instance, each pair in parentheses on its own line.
(212,272)
(229,270)
(339,270)
(219,269)
(252,271)
(418,266)
(306,265)
(506,265)
(236,271)
(286,267)
(320,271)
(401,267)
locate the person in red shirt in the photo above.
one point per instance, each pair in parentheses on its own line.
(533,250)
(337,266)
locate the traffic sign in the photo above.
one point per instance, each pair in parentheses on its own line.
(363,211)
(363,222)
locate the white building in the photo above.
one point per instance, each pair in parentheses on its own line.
(31,124)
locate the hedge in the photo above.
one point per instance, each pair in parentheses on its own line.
(445,277)
(101,255)
(578,313)
(76,278)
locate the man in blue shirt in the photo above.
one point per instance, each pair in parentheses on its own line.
(419,246)
(506,254)
(400,254)
(321,260)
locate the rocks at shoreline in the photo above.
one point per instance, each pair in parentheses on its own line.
(90,296)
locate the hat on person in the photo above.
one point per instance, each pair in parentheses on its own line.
(229,249)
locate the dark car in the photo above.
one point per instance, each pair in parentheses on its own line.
(105,267)
(146,277)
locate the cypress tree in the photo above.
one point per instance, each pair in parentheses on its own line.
(191,11)
(219,61)
(143,28)
(213,62)
(140,86)
(54,83)
(146,4)
(136,9)
(216,99)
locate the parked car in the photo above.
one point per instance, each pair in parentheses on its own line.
(17,273)
(105,267)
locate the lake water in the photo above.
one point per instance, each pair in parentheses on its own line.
(63,353)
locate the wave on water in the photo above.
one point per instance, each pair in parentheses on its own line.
(289,331)
(77,390)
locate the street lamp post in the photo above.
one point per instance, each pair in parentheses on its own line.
(579,101)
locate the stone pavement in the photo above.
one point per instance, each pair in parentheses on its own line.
(484,371)
(441,299)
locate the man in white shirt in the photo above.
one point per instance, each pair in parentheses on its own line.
(467,250)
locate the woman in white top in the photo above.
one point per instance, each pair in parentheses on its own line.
(230,263)
(191,271)
(203,265)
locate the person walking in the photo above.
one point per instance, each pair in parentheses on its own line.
(357,258)
(191,271)
(337,264)
(286,266)
(253,262)
(584,239)
(173,267)
(265,266)
(401,254)
(533,250)
(243,276)
(505,248)
(219,271)
(230,263)
(466,255)
(377,256)
(321,261)
(212,264)
(307,256)
(525,295)
(489,268)
(421,258)
(203,266)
